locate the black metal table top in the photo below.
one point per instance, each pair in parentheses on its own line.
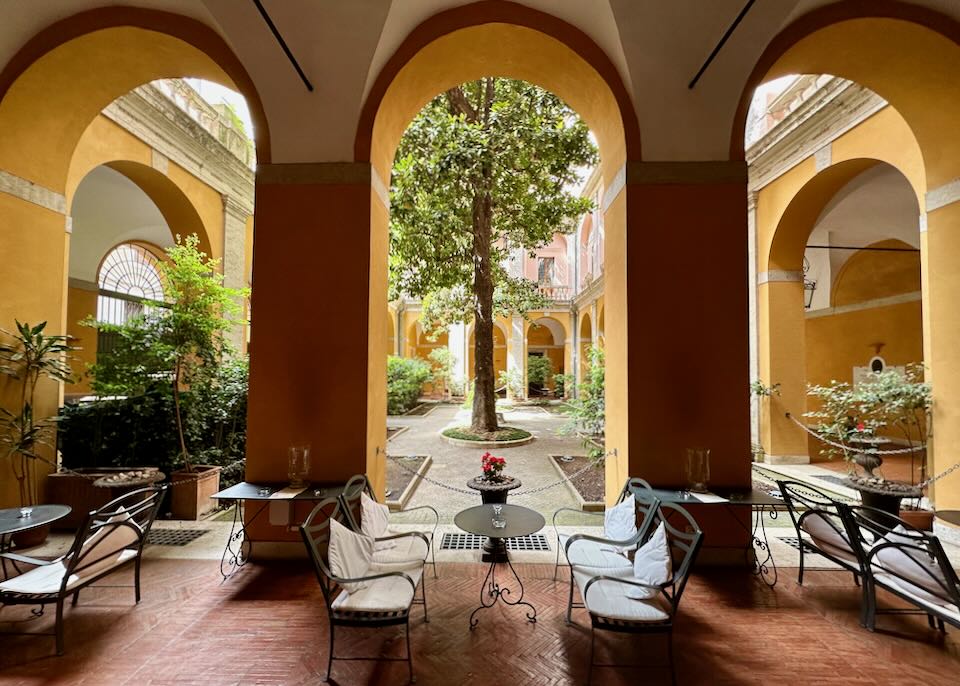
(11,522)
(275,491)
(478,520)
(732,496)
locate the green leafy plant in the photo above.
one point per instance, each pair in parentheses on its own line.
(178,344)
(891,400)
(563,383)
(588,409)
(405,380)
(30,356)
(512,380)
(539,369)
(442,361)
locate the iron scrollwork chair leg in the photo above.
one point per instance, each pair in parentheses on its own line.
(330,658)
(570,599)
(413,679)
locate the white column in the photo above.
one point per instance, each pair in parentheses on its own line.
(516,355)
(457,345)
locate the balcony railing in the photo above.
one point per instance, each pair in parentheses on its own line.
(555,293)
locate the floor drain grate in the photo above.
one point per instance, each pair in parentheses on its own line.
(174,536)
(474,542)
(794,543)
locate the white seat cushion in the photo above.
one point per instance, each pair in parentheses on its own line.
(108,544)
(405,549)
(917,594)
(350,555)
(919,570)
(844,554)
(609,598)
(47,579)
(391,594)
(592,554)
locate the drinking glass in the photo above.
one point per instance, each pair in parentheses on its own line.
(25,512)
(698,469)
(298,464)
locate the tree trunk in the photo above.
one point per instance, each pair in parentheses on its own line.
(484,392)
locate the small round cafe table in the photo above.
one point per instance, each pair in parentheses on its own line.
(520,521)
(11,522)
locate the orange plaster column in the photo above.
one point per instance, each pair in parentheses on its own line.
(310,328)
(688,336)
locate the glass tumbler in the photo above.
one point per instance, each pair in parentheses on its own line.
(298,464)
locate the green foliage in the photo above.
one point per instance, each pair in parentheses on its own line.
(135,431)
(588,412)
(482,171)
(468,400)
(180,344)
(759,390)
(405,379)
(442,361)
(512,380)
(889,399)
(30,356)
(539,369)
(563,383)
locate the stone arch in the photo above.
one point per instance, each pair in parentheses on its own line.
(506,39)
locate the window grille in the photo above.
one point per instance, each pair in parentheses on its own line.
(128,282)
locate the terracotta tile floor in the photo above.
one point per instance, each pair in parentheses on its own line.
(267,626)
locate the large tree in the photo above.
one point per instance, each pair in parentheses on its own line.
(486,169)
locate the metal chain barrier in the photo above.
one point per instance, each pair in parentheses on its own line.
(518,494)
(845,448)
(874,451)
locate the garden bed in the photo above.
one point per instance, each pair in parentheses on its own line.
(504,437)
(401,482)
(590,487)
(392,431)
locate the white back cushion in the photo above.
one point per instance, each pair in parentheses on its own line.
(913,566)
(374,517)
(620,521)
(350,555)
(821,528)
(104,548)
(652,564)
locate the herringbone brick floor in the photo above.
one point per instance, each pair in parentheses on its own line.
(267,626)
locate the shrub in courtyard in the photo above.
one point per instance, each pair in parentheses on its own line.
(405,379)
(588,412)
(539,369)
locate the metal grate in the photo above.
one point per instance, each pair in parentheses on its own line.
(174,536)
(474,542)
(794,543)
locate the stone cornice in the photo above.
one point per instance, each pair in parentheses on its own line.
(833,110)
(29,191)
(587,295)
(153,118)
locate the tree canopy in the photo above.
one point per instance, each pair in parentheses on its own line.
(486,171)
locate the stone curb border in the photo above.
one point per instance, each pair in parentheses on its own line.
(585,505)
(463,443)
(399,430)
(401,502)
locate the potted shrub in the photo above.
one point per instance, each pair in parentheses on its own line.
(180,345)
(30,356)
(852,418)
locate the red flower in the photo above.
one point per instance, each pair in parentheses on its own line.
(861,426)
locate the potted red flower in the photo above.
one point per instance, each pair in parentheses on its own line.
(492,467)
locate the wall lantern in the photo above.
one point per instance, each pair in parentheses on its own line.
(809,286)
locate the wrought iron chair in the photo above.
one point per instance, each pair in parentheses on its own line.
(406,543)
(605,592)
(825,521)
(598,546)
(110,538)
(386,600)
(595,553)
(907,562)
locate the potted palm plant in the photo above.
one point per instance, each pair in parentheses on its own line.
(29,356)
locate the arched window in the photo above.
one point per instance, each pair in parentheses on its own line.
(128,277)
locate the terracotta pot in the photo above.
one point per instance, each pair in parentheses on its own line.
(191,491)
(31,537)
(921,519)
